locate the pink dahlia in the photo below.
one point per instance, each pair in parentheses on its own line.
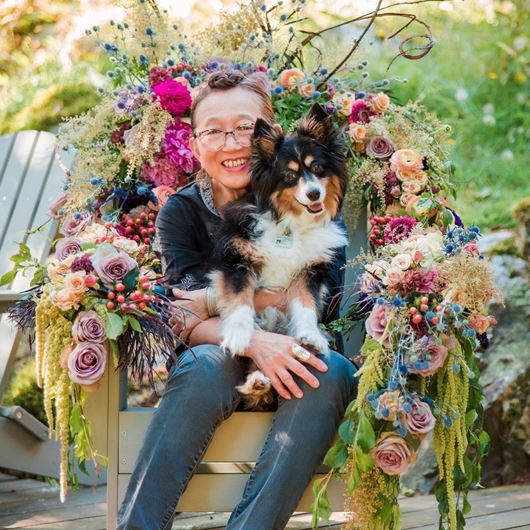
(176,146)
(418,282)
(360,112)
(158,74)
(163,172)
(398,229)
(174,96)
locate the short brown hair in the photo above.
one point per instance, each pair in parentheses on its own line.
(257,82)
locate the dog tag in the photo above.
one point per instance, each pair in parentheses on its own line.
(284,241)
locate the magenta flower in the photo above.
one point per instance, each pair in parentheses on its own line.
(86,363)
(158,74)
(176,146)
(398,229)
(82,263)
(360,112)
(88,327)
(163,172)
(174,96)
(418,281)
(67,247)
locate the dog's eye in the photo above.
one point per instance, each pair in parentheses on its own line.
(316,167)
(290,175)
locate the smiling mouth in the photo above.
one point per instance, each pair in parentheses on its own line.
(313,209)
(234,163)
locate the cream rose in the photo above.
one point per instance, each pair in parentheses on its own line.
(393,277)
(379,102)
(402,261)
(127,245)
(357,132)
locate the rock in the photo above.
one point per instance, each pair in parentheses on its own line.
(522,217)
(488,241)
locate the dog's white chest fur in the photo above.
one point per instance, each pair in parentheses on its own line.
(290,245)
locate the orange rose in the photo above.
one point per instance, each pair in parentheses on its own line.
(406,160)
(357,132)
(389,401)
(379,102)
(479,323)
(306,90)
(291,77)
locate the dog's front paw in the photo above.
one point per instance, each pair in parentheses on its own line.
(314,340)
(236,341)
(237,329)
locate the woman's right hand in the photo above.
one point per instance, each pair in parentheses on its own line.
(273,355)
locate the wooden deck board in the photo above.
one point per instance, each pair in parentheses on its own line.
(30,504)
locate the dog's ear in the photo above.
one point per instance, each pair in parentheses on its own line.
(266,139)
(317,124)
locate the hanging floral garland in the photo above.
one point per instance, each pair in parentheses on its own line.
(99,302)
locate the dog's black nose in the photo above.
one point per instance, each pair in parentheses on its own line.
(313,195)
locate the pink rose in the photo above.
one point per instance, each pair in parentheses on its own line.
(380,147)
(86,363)
(430,357)
(57,204)
(420,420)
(111,265)
(76,223)
(394,276)
(376,324)
(67,246)
(393,455)
(162,194)
(88,327)
(174,97)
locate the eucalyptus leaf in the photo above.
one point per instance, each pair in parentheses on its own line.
(8,277)
(113,326)
(347,431)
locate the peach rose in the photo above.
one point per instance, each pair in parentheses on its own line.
(390,402)
(412,186)
(402,261)
(66,300)
(75,282)
(345,101)
(393,454)
(479,323)
(379,102)
(357,132)
(162,194)
(291,77)
(306,90)
(406,160)
(394,275)
(57,270)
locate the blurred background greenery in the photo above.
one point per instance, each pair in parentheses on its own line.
(475,78)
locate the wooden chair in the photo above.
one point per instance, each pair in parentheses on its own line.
(30,179)
(218,485)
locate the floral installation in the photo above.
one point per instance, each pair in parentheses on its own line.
(98,303)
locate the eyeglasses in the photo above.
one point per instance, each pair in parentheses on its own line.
(214,139)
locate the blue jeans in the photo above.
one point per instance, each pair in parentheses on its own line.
(200,394)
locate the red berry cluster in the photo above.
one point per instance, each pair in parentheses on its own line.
(418,314)
(141,228)
(137,300)
(378,223)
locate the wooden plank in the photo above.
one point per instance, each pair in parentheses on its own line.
(91,523)
(19,484)
(4,477)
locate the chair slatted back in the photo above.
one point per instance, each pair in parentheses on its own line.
(30,179)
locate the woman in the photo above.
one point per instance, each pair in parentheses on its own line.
(200,391)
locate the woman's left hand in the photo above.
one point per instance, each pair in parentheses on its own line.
(189,309)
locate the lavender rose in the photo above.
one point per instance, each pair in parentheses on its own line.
(86,363)
(420,419)
(111,265)
(393,455)
(430,356)
(76,223)
(380,147)
(376,324)
(88,327)
(67,247)
(57,204)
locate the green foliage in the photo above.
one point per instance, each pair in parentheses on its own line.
(24,392)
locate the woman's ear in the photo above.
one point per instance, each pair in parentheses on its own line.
(194,148)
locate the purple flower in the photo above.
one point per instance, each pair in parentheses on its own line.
(75,223)
(380,147)
(174,96)
(398,229)
(82,263)
(86,363)
(88,327)
(67,247)
(176,146)
(112,265)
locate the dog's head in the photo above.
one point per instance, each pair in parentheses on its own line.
(303,174)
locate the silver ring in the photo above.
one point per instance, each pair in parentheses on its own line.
(300,353)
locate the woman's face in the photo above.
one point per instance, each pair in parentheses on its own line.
(225,110)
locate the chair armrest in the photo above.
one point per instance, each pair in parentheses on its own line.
(8,298)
